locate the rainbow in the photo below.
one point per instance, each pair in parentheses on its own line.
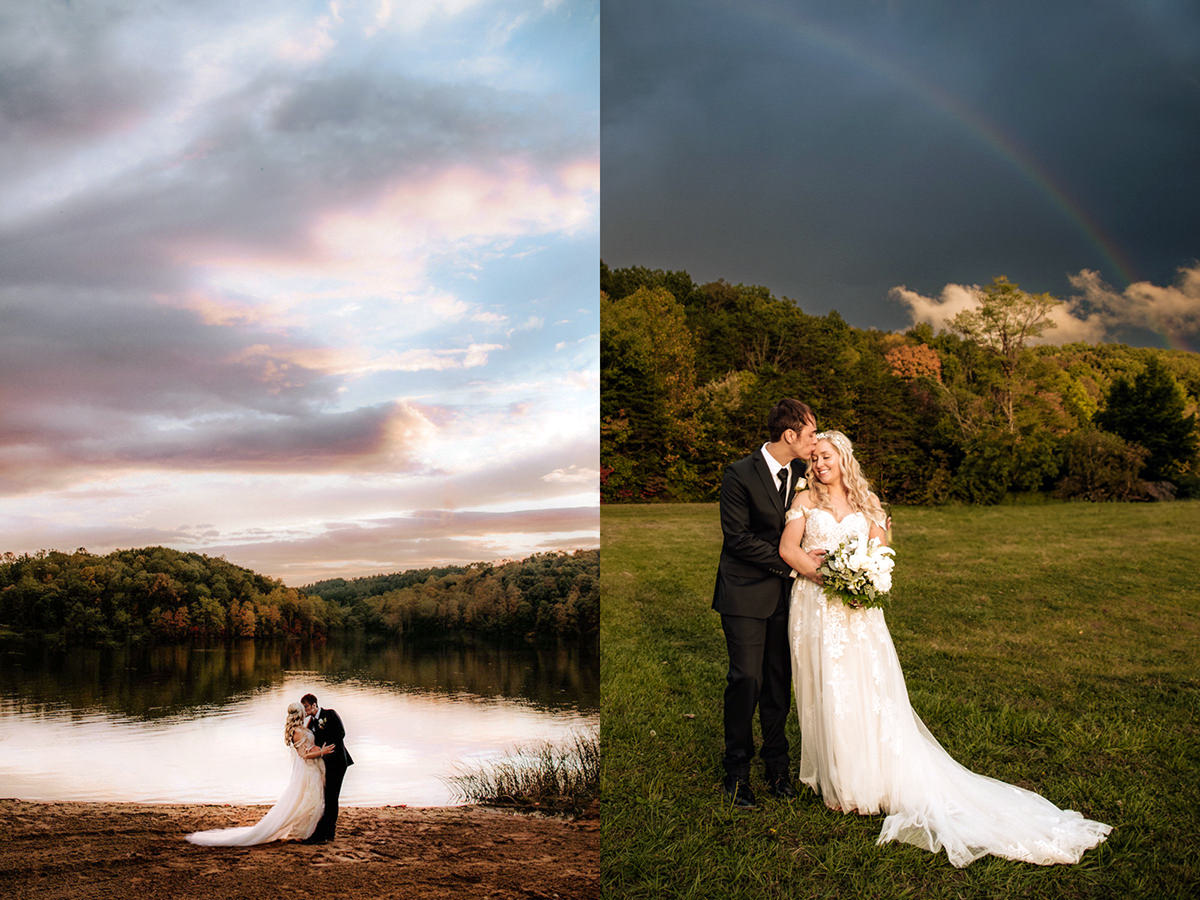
(1004,146)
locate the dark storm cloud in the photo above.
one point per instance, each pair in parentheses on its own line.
(270,158)
(37,455)
(833,151)
(417,124)
(43,107)
(95,379)
(124,352)
(317,441)
(60,80)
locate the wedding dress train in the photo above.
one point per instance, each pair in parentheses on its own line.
(294,815)
(864,749)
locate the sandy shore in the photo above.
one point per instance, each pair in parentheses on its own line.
(120,850)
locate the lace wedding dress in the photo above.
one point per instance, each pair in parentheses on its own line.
(863,748)
(294,815)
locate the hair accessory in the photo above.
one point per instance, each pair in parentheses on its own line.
(836,438)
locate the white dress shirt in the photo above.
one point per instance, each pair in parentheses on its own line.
(775,465)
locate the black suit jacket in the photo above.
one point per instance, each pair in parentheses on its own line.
(752,578)
(331,732)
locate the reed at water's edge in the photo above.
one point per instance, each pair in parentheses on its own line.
(551,778)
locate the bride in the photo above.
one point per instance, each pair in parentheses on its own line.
(863,749)
(296,813)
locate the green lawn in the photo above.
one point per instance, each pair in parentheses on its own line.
(1052,646)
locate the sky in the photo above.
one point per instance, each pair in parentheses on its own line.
(308,285)
(885,158)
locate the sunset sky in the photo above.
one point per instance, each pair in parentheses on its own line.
(882,157)
(311,286)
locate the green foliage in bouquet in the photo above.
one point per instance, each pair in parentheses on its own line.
(859,571)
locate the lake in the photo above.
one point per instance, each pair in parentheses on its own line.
(193,724)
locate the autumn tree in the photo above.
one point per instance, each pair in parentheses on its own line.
(912,361)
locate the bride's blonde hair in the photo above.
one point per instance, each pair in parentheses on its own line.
(858,489)
(295,718)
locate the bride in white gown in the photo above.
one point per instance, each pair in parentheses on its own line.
(863,748)
(296,813)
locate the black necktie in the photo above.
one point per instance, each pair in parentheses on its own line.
(783,480)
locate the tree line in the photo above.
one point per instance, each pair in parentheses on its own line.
(160,594)
(973,413)
(546,594)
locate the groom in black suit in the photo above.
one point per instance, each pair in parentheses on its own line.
(751,594)
(326,726)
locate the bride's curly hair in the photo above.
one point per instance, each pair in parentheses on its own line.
(858,489)
(295,718)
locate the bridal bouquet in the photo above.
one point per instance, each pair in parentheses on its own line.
(859,571)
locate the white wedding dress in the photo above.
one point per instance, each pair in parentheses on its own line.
(294,815)
(863,748)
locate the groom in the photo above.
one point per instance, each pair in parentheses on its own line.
(751,594)
(326,727)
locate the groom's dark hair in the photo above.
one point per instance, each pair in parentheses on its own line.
(309,698)
(788,413)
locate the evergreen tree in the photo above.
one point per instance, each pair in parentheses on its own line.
(1150,412)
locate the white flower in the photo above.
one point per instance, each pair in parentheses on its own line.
(860,569)
(858,554)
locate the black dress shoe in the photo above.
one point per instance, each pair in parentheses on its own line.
(737,792)
(781,787)
(315,840)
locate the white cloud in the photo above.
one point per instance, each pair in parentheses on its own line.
(533,323)
(938,312)
(1173,310)
(490,318)
(419,360)
(573,475)
(1095,314)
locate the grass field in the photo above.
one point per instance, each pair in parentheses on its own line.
(1056,647)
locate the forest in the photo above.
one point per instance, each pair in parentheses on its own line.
(160,594)
(546,594)
(979,413)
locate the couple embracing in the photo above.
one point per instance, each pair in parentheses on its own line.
(307,810)
(863,748)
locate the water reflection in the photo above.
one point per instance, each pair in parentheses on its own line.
(178,724)
(157,681)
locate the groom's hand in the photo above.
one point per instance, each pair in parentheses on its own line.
(817,556)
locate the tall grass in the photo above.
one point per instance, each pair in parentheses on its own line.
(1053,646)
(562,779)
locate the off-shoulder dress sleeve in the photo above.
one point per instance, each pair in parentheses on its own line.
(800,512)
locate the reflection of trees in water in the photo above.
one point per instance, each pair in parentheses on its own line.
(560,675)
(153,682)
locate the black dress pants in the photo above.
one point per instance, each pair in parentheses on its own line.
(334,775)
(760,675)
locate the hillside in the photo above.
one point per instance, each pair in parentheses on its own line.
(156,593)
(975,414)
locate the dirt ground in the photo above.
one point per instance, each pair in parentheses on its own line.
(126,850)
